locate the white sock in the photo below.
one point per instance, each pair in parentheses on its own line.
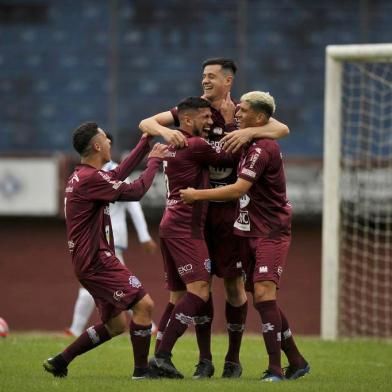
(84,306)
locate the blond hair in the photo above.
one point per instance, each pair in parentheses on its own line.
(260,101)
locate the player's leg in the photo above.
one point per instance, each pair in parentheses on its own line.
(236,310)
(298,366)
(182,316)
(140,332)
(265,303)
(84,306)
(89,339)
(174,296)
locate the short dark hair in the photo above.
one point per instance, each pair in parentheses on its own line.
(192,103)
(226,64)
(82,136)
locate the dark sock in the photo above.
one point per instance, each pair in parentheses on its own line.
(203,329)
(182,316)
(288,344)
(162,324)
(235,317)
(272,327)
(89,339)
(140,338)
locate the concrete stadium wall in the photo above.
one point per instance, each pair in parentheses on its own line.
(38,288)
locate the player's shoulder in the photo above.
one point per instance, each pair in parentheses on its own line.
(267,144)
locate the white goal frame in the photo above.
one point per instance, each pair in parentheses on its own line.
(335,56)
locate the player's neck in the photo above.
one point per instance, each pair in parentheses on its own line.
(94,161)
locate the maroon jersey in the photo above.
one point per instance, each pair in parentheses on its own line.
(188,167)
(86,206)
(265,210)
(219,175)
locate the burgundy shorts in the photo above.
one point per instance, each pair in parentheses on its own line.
(185,261)
(265,258)
(222,243)
(113,287)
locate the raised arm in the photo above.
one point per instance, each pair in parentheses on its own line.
(128,164)
(227,192)
(159,124)
(138,188)
(274,129)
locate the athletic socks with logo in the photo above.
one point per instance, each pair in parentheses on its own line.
(235,317)
(90,338)
(203,329)
(162,324)
(182,316)
(140,338)
(272,327)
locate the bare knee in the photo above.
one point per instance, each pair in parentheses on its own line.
(200,288)
(264,291)
(116,325)
(142,310)
(235,291)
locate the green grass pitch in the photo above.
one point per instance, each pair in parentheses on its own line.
(345,365)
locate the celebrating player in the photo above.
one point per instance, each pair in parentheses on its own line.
(186,261)
(217,80)
(263,225)
(90,242)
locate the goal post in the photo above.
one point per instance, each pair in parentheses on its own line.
(356,293)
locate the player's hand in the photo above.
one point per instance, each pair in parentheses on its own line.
(234,140)
(227,109)
(158,151)
(187,195)
(149,247)
(174,138)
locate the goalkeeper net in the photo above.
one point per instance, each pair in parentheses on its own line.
(359,79)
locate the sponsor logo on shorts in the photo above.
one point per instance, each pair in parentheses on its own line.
(267,327)
(280,270)
(238,264)
(93,335)
(263,269)
(135,282)
(207,265)
(279,337)
(117,295)
(244,201)
(287,334)
(185,269)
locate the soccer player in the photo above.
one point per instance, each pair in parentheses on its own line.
(263,225)
(186,261)
(90,241)
(84,305)
(217,81)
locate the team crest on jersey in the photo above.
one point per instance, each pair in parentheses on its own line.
(135,282)
(244,201)
(207,265)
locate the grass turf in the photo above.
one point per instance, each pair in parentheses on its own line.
(345,365)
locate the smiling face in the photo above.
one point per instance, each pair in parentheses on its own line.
(248,117)
(216,82)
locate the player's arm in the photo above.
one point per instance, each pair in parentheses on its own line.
(139,222)
(129,163)
(274,129)
(204,153)
(159,124)
(103,187)
(227,192)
